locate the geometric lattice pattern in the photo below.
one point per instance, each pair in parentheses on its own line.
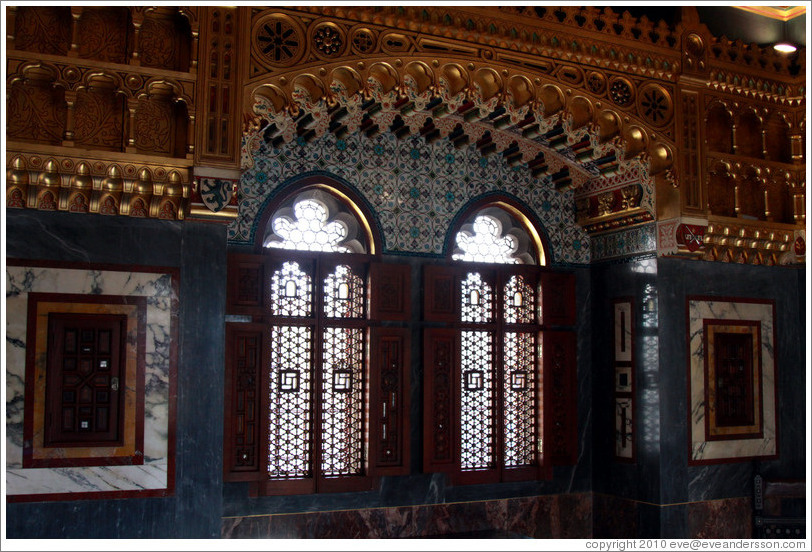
(291,406)
(414,189)
(476,401)
(486,244)
(83,388)
(310,231)
(342,402)
(499,367)
(519,399)
(519,302)
(290,291)
(477,299)
(344,294)
(334,380)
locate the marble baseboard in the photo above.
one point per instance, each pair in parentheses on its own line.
(614,517)
(551,516)
(727,518)
(621,518)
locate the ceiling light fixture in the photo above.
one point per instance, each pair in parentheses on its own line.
(784,45)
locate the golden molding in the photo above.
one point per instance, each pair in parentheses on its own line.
(751,242)
(546,122)
(781,13)
(63,182)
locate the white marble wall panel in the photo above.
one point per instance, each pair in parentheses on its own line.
(703,450)
(158,289)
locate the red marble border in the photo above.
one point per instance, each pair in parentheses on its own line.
(174,316)
(34,298)
(689,440)
(707,324)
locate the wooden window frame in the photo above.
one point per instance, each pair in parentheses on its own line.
(386,339)
(556,376)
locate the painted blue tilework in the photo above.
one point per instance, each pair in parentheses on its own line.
(626,243)
(414,189)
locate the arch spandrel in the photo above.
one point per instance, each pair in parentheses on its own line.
(576,107)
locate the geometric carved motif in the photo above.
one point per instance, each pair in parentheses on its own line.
(291,405)
(47,202)
(85,379)
(279,40)
(108,206)
(655,104)
(329,40)
(290,291)
(519,399)
(390,398)
(343,294)
(246,407)
(342,402)
(477,299)
(622,332)
(476,400)
(519,301)
(733,380)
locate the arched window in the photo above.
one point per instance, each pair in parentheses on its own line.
(327,382)
(489,423)
(315,221)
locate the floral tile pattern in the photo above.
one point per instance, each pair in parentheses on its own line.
(414,189)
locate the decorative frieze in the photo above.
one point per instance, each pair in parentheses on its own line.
(111,187)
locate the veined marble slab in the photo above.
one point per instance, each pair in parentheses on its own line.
(702,449)
(158,290)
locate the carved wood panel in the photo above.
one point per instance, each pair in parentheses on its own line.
(439,295)
(85,379)
(164,43)
(43,29)
(558,298)
(440,346)
(389,400)
(246,284)
(103,34)
(154,126)
(99,119)
(36,112)
(245,356)
(391,291)
(560,398)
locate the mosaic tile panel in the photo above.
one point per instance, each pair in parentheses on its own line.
(415,189)
(626,243)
